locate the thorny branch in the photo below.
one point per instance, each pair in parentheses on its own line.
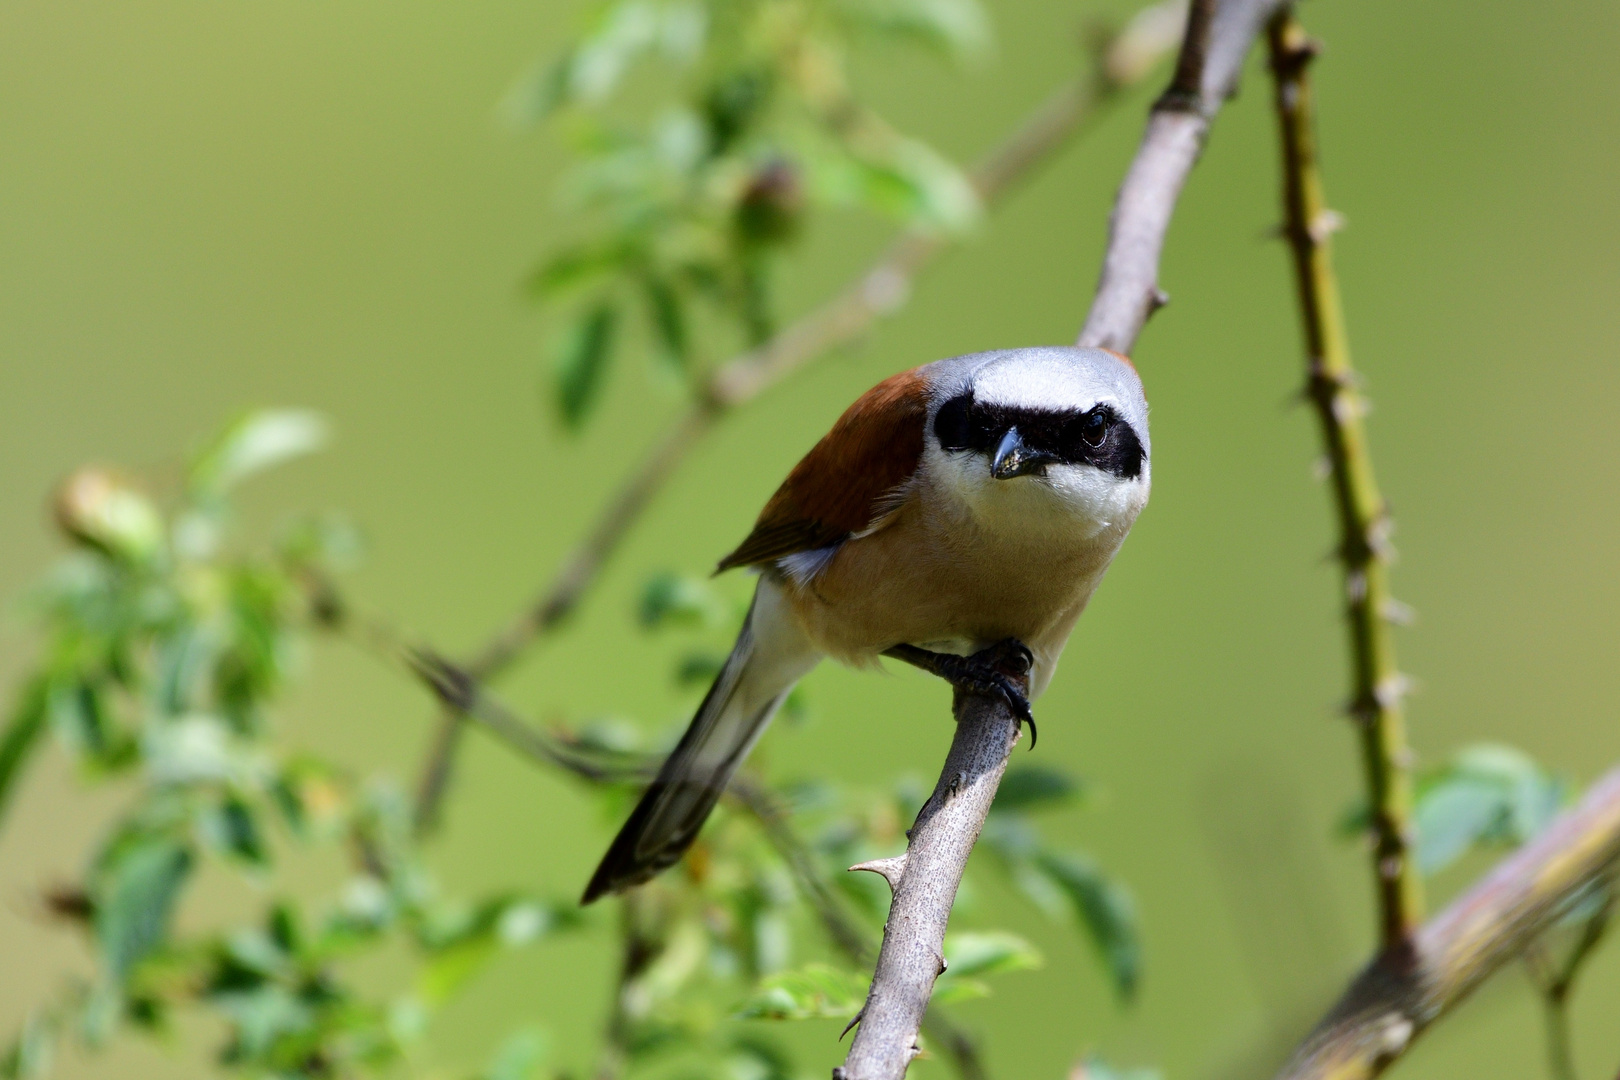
(1410,986)
(1122,61)
(1376,684)
(925,880)
(1420,972)
(1217,37)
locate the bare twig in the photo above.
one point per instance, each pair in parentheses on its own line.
(1410,986)
(1375,701)
(948,825)
(1122,61)
(1218,36)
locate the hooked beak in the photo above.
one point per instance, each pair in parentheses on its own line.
(1012,458)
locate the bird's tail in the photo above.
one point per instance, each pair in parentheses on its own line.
(771,655)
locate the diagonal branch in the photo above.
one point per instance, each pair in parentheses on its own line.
(1364,526)
(1218,35)
(925,880)
(1408,987)
(1123,60)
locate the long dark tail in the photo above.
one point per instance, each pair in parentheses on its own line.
(762,668)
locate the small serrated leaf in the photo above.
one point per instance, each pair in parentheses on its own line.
(988,952)
(677,600)
(518,1057)
(668,319)
(581,363)
(21,737)
(259,440)
(136,895)
(816,991)
(1032,786)
(1105,912)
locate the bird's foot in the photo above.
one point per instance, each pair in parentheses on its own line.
(1001,670)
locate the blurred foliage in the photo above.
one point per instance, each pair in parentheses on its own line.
(167,642)
(1486,796)
(164,647)
(692,180)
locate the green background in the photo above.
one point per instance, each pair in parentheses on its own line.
(206,205)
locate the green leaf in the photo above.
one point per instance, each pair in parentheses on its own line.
(259,440)
(578,266)
(137,889)
(676,600)
(22,735)
(1486,795)
(1105,912)
(988,952)
(813,992)
(668,322)
(1027,786)
(34,1051)
(581,363)
(518,1058)
(949,991)
(1096,1069)
(232,829)
(628,30)
(462,940)
(958,28)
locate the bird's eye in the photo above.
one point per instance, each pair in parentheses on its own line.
(952,425)
(1094,427)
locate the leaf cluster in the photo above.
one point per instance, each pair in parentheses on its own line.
(755,129)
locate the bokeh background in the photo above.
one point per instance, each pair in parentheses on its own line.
(206,205)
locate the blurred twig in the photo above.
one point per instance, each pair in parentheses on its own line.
(1364,525)
(459,692)
(1555,979)
(1217,37)
(1411,985)
(1122,60)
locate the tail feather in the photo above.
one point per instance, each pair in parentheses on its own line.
(767,660)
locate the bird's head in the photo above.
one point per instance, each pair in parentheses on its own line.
(1044,430)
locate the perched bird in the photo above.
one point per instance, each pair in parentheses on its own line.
(954,506)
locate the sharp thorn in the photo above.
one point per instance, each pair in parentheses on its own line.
(890,869)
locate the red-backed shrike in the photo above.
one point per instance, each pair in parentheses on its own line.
(954,506)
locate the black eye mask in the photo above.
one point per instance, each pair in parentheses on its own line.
(1096,436)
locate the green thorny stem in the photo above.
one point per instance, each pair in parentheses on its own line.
(1376,683)
(1122,60)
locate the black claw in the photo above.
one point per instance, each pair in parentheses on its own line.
(985,672)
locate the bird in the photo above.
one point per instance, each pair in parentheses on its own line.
(970,502)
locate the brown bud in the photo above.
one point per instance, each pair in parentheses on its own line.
(100,509)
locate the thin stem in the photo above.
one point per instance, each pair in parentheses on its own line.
(1560,1048)
(1364,525)
(1122,61)
(1556,981)
(1219,35)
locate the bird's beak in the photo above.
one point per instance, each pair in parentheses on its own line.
(1013,458)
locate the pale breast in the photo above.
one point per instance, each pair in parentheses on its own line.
(947,581)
